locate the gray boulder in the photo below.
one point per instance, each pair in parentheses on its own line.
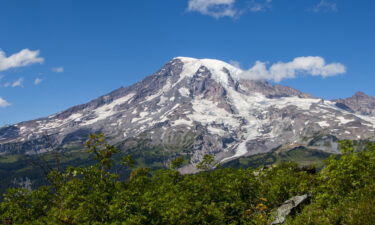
(288,207)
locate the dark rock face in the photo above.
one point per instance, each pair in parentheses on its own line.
(9,132)
(200,107)
(358,103)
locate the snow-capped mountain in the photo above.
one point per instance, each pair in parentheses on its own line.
(202,107)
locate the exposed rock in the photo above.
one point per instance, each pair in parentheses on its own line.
(270,91)
(359,103)
(289,207)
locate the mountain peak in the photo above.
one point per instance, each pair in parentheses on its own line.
(361,94)
(219,69)
(209,63)
(359,102)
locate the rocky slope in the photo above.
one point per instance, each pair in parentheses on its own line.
(358,103)
(197,107)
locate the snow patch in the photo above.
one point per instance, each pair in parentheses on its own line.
(207,112)
(183,122)
(323,124)
(216,67)
(368,119)
(215,130)
(301,103)
(143,114)
(141,117)
(343,120)
(163,90)
(108,110)
(75,117)
(184,91)
(162,100)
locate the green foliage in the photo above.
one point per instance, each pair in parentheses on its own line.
(346,146)
(177,162)
(206,162)
(284,181)
(345,189)
(23,205)
(128,161)
(342,193)
(353,171)
(102,150)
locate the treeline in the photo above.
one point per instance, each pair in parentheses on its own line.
(343,192)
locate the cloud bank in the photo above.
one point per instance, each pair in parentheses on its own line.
(3,103)
(310,65)
(23,58)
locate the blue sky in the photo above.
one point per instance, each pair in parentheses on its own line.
(69,52)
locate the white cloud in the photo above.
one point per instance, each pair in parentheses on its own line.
(214,8)
(325,6)
(235,63)
(258,6)
(3,103)
(16,83)
(226,8)
(58,69)
(23,58)
(312,65)
(38,81)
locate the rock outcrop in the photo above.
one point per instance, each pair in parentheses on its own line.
(289,207)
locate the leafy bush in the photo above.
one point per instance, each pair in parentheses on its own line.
(342,193)
(345,191)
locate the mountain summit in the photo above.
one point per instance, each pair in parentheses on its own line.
(194,107)
(359,103)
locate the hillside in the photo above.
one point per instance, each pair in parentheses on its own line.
(340,193)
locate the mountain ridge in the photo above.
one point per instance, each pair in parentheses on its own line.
(202,106)
(359,103)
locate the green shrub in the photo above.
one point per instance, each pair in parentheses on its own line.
(343,193)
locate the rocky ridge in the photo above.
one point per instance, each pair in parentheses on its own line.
(358,103)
